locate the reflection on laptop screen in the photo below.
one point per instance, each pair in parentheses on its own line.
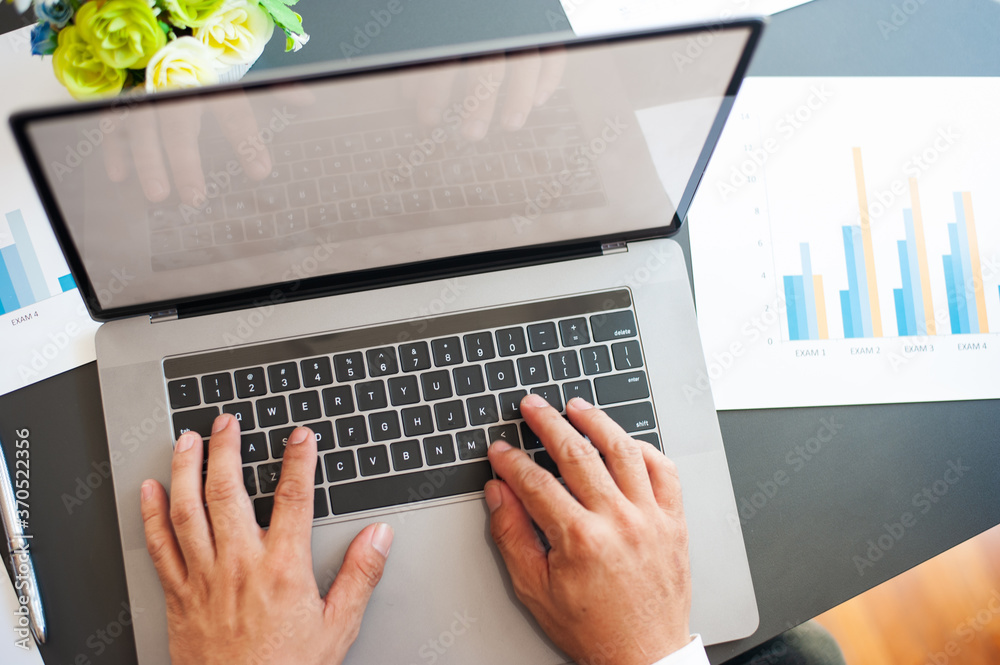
(231,190)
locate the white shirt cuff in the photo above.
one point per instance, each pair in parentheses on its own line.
(692,654)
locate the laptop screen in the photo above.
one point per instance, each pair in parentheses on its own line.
(176,198)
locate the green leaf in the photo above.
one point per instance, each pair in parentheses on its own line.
(284,17)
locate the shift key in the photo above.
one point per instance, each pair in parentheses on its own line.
(633,417)
(621,388)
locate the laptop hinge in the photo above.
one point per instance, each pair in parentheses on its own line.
(614,247)
(159,317)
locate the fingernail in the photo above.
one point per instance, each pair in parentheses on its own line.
(475,130)
(382,539)
(515,121)
(494,497)
(147,490)
(186,442)
(221,423)
(581,404)
(533,400)
(298,436)
(501,446)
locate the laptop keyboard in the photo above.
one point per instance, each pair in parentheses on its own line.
(333,179)
(404,413)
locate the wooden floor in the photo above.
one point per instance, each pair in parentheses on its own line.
(944,612)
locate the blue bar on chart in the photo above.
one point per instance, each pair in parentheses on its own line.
(955,275)
(26,250)
(854,304)
(67,283)
(805,304)
(906,320)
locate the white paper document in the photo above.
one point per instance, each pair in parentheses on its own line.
(44,326)
(845,244)
(594,17)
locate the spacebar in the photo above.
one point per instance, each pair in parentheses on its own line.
(435,483)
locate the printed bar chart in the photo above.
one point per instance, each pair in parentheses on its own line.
(22,283)
(806,302)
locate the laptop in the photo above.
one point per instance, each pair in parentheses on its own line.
(397,279)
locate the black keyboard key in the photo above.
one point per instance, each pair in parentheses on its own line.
(417,421)
(338,401)
(243,411)
(269,475)
(449,415)
(483,410)
(650,437)
(511,342)
(447,351)
(471,444)
(414,357)
(283,377)
(439,450)
(305,406)
(506,433)
(403,390)
(382,362)
(500,375)
(613,325)
(468,380)
(351,431)
(371,395)
(320,509)
(249,480)
(324,434)
(564,365)
(436,385)
(542,337)
(621,387)
(217,388)
(198,420)
(272,411)
(340,466)
(579,389)
(279,440)
(183,393)
(595,360)
(406,455)
(574,332)
(253,447)
(408,487)
(316,372)
(373,460)
(633,417)
(532,370)
(250,383)
(510,404)
(349,366)
(627,355)
(262,509)
(384,425)
(551,395)
(544,460)
(530,439)
(479,346)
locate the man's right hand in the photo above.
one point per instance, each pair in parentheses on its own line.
(615,586)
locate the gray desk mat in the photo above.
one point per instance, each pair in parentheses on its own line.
(801,541)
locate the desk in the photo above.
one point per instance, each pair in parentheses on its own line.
(800,542)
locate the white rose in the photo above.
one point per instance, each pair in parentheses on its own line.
(237,32)
(182,63)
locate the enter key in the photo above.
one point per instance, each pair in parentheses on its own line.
(621,388)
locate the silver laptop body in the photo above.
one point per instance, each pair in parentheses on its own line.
(563,223)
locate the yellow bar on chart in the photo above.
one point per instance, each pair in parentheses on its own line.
(925,276)
(977,267)
(824,333)
(866,242)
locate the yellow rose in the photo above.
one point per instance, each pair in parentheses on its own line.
(191,13)
(183,63)
(237,32)
(124,33)
(80,70)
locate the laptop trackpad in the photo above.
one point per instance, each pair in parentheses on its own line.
(445,596)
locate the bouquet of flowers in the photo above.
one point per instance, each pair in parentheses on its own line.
(102,47)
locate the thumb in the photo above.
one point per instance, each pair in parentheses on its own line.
(516,539)
(357,579)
